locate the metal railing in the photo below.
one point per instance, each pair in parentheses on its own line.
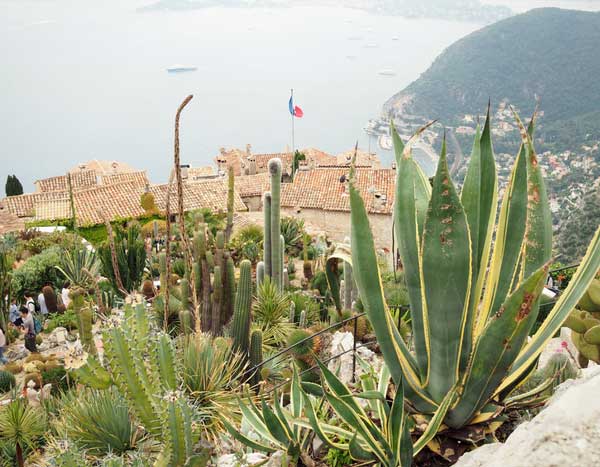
(335,326)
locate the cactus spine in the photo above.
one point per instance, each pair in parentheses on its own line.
(267,248)
(256,355)
(276,259)
(241,316)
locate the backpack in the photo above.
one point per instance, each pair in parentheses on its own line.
(37,324)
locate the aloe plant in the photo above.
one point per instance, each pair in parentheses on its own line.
(473,301)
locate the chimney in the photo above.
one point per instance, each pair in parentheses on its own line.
(248,150)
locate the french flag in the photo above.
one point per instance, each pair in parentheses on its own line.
(295,110)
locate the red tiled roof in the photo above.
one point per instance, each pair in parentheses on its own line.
(82,179)
(119,201)
(252,185)
(139,178)
(322,189)
(9,222)
(210,194)
(23,205)
(262,160)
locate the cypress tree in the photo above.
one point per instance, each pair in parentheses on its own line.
(13,186)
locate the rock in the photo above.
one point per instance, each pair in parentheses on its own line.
(277,459)
(565,433)
(16,352)
(240,460)
(341,342)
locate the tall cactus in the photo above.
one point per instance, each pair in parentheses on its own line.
(240,329)
(228,290)
(256,355)
(84,319)
(267,247)
(276,259)
(216,326)
(230,203)
(260,273)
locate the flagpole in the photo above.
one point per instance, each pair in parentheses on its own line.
(293,147)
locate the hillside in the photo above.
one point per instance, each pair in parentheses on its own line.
(548,55)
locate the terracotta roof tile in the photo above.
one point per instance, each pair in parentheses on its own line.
(139,178)
(23,205)
(262,160)
(9,222)
(252,185)
(80,180)
(52,210)
(324,188)
(118,201)
(210,194)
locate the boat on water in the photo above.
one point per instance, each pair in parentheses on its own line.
(181,68)
(387,72)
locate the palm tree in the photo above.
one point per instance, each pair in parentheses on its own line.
(21,425)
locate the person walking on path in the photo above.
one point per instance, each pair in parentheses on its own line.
(65,294)
(3,359)
(42,304)
(28,329)
(14,315)
(29,302)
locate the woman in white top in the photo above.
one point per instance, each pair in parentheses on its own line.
(65,294)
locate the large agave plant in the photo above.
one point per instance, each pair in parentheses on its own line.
(473,300)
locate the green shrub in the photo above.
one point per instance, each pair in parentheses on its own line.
(37,271)
(66,320)
(57,377)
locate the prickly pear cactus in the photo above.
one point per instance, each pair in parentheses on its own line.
(585,325)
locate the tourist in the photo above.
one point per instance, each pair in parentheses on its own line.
(65,294)
(29,302)
(28,329)
(13,313)
(3,359)
(42,304)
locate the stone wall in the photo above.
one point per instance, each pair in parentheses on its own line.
(335,224)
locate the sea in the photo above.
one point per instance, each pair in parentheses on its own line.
(83,80)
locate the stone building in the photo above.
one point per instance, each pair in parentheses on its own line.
(321,198)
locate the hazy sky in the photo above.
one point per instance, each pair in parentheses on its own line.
(82,79)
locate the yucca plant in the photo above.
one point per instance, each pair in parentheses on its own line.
(21,426)
(98,422)
(270,314)
(211,372)
(79,266)
(473,301)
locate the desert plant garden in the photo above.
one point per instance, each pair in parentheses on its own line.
(191,341)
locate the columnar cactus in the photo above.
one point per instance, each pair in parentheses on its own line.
(260,273)
(292,315)
(228,290)
(256,355)
(184,287)
(267,246)
(276,260)
(84,319)
(240,329)
(230,203)
(217,297)
(302,320)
